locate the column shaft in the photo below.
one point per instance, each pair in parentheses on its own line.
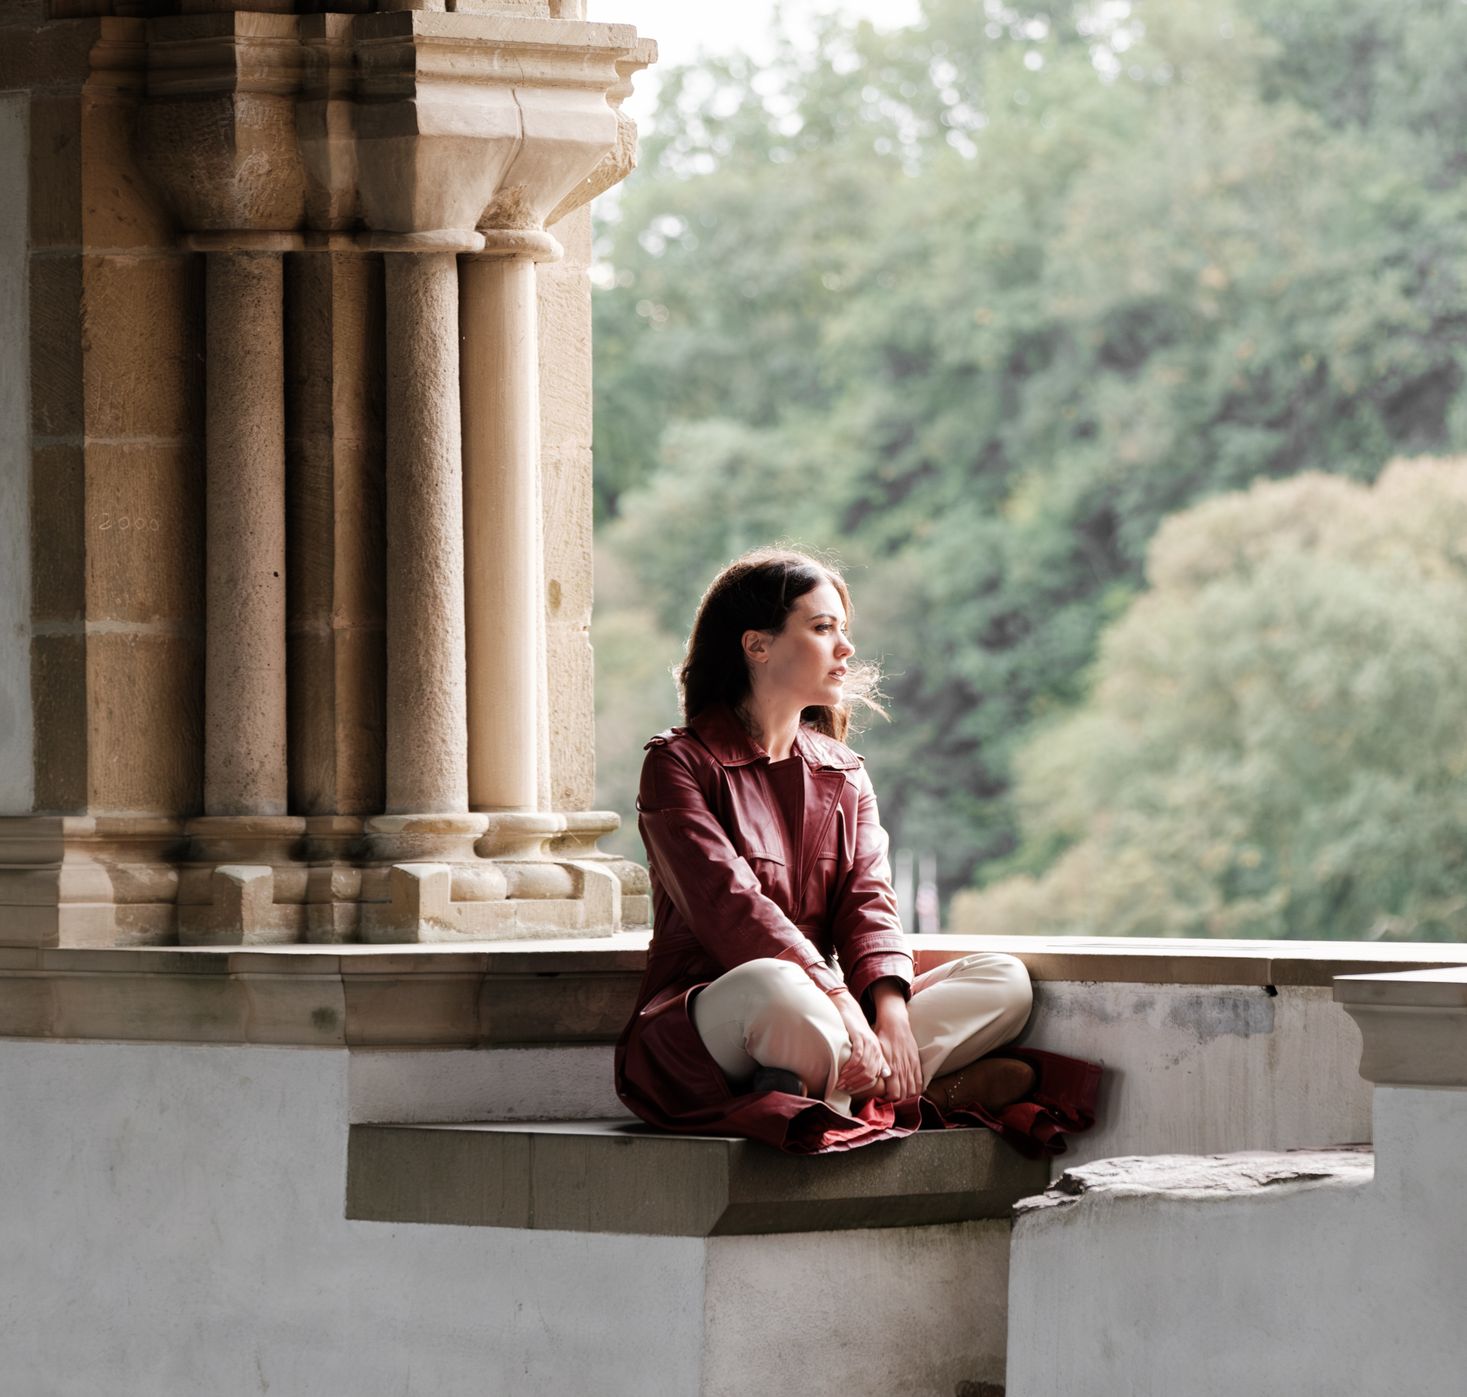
(501,396)
(335,561)
(427,735)
(244,653)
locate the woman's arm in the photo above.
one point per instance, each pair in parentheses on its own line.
(708,880)
(865,924)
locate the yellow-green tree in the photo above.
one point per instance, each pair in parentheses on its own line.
(1275,744)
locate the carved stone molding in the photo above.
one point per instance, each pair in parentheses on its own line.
(217,132)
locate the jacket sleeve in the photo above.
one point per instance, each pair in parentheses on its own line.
(865,923)
(709,881)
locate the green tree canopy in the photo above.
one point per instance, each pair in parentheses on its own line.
(1276,744)
(978,304)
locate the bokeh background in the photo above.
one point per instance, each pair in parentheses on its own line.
(1119,353)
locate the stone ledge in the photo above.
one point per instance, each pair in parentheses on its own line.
(517,993)
(607,1176)
(1149,960)
(1206,1178)
(1413,1023)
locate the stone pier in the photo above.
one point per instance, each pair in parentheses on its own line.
(307,612)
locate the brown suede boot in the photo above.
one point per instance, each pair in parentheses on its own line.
(990,1083)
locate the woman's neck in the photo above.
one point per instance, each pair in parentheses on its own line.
(774,725)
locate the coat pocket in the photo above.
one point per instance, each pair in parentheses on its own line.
(773,875)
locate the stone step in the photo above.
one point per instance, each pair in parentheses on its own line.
(620,1177)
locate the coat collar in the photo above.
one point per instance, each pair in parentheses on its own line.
(721,733)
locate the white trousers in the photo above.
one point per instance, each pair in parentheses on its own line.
(768,1013)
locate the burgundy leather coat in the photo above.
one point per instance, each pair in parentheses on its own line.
(728,886)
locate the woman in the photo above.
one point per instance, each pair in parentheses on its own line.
(779,1000)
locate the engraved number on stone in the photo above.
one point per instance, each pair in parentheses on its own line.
(127,523)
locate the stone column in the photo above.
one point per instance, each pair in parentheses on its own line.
(336,543)
(244,661)
(503,546)
(427,733)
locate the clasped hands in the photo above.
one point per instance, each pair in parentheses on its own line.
(884,1062)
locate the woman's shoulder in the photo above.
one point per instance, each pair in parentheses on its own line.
(678,746)
(663,738)
(830,752)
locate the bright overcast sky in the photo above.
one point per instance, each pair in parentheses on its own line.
(683,28)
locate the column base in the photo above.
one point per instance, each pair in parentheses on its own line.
(89,880)
(496,876)
(136,880)
(242,882)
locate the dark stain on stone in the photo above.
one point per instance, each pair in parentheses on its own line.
(323,1019)
(968,1388)
(1209,1015)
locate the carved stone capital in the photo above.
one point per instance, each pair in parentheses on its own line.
(217,132)
(487,121)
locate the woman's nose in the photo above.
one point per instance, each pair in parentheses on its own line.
(845,648)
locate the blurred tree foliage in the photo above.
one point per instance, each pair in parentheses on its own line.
(1276,744)
(979,304)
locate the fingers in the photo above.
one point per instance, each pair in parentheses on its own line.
(861,1078)
(901,1065)
(865,1068)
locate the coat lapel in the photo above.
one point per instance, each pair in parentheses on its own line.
(824,767)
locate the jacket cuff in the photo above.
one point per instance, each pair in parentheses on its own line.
(880,965)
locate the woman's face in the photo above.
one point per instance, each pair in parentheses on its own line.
(805,663)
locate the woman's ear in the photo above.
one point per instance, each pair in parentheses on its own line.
(756,647)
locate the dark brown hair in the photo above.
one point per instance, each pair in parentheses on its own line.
(757,592)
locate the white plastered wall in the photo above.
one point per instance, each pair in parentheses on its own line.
(173,1222)
(1332,1290)
(17,779)
(1194,1069)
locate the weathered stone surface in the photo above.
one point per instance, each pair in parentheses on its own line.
(56,345)
(1204,1178)
(59,715)
(144,339)
(145,721)
(144,536)
(245,702)
(33,53)
(336,533)
(122,209)
(58,541)
(56,170)
(565,356)
(427,724)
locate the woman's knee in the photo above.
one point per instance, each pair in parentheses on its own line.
(1008,978)
(769,987)
(783,993)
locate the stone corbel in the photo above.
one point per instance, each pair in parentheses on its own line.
(621,159)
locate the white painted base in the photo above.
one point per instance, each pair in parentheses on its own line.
(493,1084)
(1296,1292)
(917,1310)
(172,1223)
(1198,1069)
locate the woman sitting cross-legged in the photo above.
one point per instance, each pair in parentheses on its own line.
(779,1000)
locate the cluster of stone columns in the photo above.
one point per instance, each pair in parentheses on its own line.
(434,160)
